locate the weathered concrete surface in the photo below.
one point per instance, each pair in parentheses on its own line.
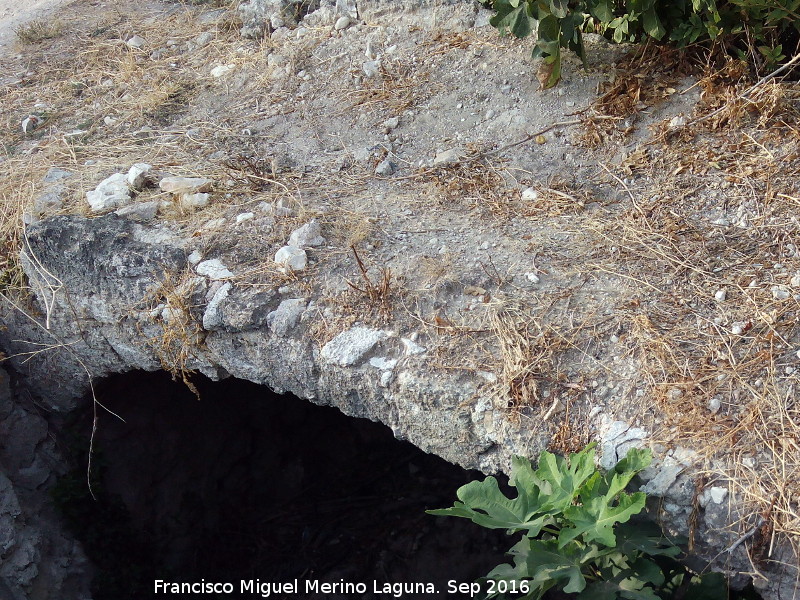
(94,277)
(100,287)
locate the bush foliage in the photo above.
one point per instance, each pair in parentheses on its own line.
(764,31)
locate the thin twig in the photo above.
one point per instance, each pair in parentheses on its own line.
(746,536)
(480,155)
(95,401)
(626,188)
(527,138)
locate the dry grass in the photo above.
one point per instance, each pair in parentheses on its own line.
(528,371)
(37,31)
(481,185)
(555,199)
(109,106)
(397,87)
(489,188)
(13,198)
(179,333)
(721,371)
(646,78)
(355,229)
(372,296)
(713,208)
(376,293)
(528,349)
(443,42)
(259,172)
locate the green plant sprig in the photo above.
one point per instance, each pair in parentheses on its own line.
(577,533)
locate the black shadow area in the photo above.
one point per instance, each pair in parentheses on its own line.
(245,485)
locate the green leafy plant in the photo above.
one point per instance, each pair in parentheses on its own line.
(577,532)
(749,28)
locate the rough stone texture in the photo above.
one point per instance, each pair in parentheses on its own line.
(49,201)
(246,309)
(261,16)
(221,70)
(108,263)
(213,269)
(307,235)
(139,211)
(185,185)
(112,192)
(447,157)
(92,294)
(349,347)
(38,561)
(291,258)
(254,18)
(55,174)
(137,175)
(190,201)
(212,318)
(283,319)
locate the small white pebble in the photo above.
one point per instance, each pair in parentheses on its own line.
(221,70)
(674,393)
(780,293)
(532,277)
(291,258)
(720,296)
(342,23)
(714,405)
(678,121)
